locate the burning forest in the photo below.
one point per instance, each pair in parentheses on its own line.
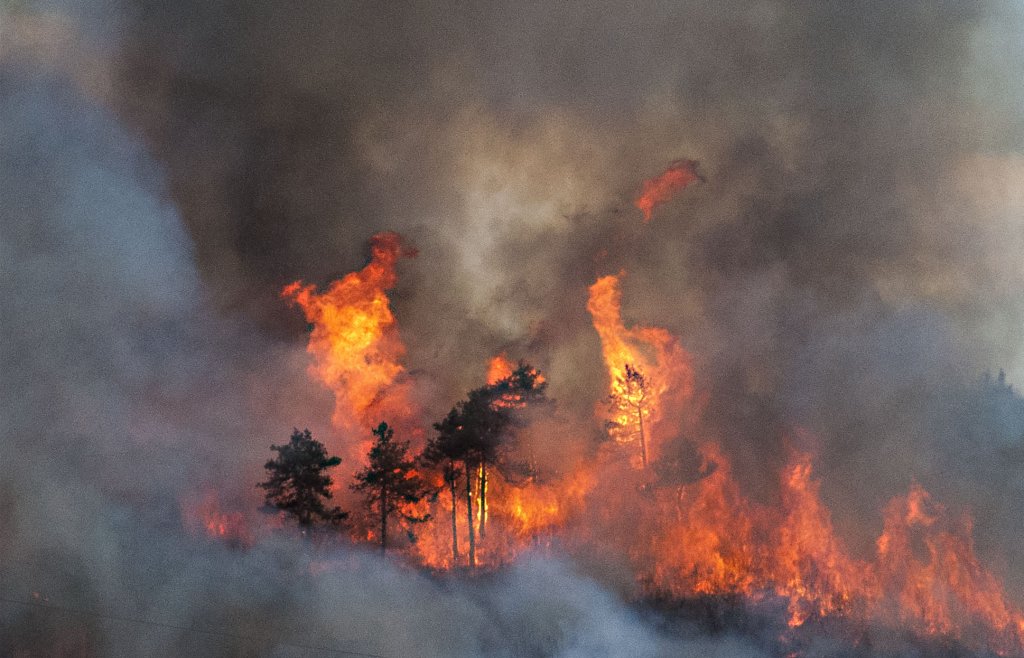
(670,330)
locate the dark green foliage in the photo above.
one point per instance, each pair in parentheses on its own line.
(445,450)
(390,482)
(453,441)
(476,429)
(475,433)
(298,482)
(525,386)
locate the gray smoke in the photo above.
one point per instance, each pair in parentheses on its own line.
(123,390)
(850,267)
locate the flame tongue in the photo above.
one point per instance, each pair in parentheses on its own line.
(699,535)
(935,577)
(705,537)
(355,340)
(498,368)
(651,351)
(809,565)
(926,575)
(662,188)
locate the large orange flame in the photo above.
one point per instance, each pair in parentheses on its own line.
(654,353)
(936,582)
(690,534)
(354,341)
(706,538)
(662,188)
(498,368)
(809,565)
(702,535)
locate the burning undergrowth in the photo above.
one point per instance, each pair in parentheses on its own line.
(659,492)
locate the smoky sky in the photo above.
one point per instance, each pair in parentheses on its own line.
(850,266)
(842,268)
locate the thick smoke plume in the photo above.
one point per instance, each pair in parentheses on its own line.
(850,266)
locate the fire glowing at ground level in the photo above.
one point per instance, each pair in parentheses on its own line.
(658,491)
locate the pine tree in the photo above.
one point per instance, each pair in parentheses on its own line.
(472,435)
(630,399)
(446,449)
(298,483)
(390,482)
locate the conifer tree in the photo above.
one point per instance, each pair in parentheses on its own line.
(390,482)
(473,435)
(298,483)
(630,400)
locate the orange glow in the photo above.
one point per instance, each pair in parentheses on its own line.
(523,516)
(683,534)
(205,516)
(810,566)
(703,536)
(520,514)
(354,341)
(652,351)
(706,538)
(662,188)
(499,368)
(544,507)
(937,583)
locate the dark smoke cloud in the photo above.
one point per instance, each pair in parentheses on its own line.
(850,266)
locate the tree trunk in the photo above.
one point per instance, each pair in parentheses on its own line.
(643,438)
(482,499)
(383,520)
(455,527)
(469,516)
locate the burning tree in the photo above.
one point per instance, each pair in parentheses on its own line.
(628,401)
(390,481)
(469,435)
(446,450)
(298,483)
(523,387)
(661,383)
(472,435)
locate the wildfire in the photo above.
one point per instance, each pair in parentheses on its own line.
(498,368)
(205,516)
(935,577)
(662,188)
(354,340)
(692,534)
(708,539)
(546,507)
(510,514)
(651,352)
(522,516)
(810,566)
(703,535)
